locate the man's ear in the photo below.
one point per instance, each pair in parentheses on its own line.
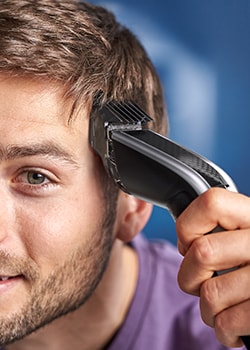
(132,216)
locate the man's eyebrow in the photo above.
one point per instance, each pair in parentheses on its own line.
(49,149)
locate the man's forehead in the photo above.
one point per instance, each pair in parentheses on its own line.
(22,96)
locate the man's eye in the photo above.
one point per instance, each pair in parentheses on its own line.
(32,181)
(35,178)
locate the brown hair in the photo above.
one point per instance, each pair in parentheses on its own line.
(83,47)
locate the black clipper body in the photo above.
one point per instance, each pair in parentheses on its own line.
(148,165)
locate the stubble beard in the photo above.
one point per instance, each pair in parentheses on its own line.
(65,289)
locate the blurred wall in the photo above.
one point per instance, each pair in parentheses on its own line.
(202,52)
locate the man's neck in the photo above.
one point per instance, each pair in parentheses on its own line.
(94,324)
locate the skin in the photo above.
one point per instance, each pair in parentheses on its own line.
(225,299)
(54,244)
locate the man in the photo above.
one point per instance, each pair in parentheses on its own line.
(75,272)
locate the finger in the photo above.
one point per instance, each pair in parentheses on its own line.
(211,253)
(215,207)
(222,292)
(233,323)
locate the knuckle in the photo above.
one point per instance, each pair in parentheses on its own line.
(222,324)
(224,328)
(210,296)
(211,199)
(203,251)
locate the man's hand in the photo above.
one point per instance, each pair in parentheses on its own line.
(224,299)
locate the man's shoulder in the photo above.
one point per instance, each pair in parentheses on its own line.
(161,316)
(159,265)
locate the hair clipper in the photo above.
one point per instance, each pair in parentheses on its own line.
(150,166)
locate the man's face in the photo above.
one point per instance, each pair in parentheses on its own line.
(54,243)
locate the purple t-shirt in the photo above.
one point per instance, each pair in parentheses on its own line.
(161,316)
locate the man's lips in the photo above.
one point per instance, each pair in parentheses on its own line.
(6,278)
(8,283)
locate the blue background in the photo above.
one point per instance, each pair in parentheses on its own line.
(202,52)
